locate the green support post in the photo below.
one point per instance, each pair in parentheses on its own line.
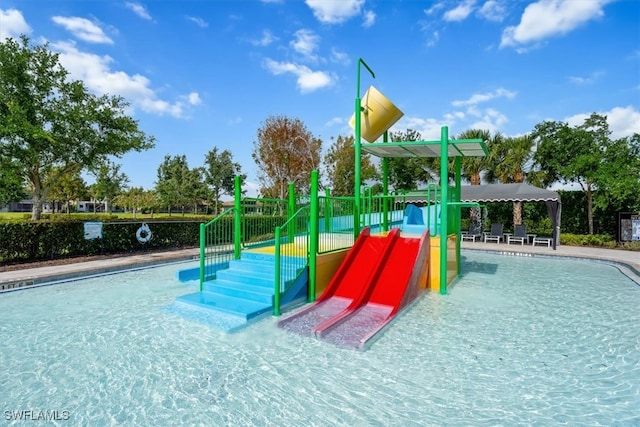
(385,186)
(328,215)
(444,205)
(314,217)
(458,166)
(203,242)
(276,290)
(291,209)
(358,149)
(237,217)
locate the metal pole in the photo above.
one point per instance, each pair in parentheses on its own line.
(358,150)
(276,290)
(291,210)
(444,210)
(313,236)
(385,186)
(203,242)
(237,217)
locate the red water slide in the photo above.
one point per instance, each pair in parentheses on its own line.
(379,276)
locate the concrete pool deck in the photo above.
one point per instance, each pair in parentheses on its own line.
(627,261)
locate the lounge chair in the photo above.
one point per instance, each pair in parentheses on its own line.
(519,235)
(495,234)
(475,230)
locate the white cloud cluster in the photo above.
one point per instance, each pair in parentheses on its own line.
(198,21)
(623,121)
(548,18)
(307,79)
(478,98)
(82,29)
(460,12)
(12,24)
(95,71)
(335,11)
(582,81)
(306,42)
(265,40)
(139,10)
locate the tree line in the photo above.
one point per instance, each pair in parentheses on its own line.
(53,129)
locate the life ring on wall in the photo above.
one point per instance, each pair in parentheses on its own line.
(144,233)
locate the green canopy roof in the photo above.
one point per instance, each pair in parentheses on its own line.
(456,148)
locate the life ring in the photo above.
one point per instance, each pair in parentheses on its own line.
(144,233)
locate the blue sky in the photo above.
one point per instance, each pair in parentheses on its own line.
(204,74)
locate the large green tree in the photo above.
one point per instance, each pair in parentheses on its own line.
(285,152)
(406,173)
(109,183)
(50,124)
(219,173)
(69,187)
(178,185)
(11,181)
(585,155)
(339,163)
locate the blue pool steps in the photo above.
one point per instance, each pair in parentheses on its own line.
(245,289)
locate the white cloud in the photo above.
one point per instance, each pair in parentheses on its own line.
(433,9)
(194,98)
(199,21)
(82,29)
(491,120)
(435,36)
(305,43)
(340,57)
(139,10)
(548,18)
(369,19)
(478,98)
(590,79)
(94,70)
(429,128)
(336,121)
(623,121)
(266,39)
(308,80)
(334,11)
(12,24)
(460,12)
(492,10)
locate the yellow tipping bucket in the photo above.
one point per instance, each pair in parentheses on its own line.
(378,114)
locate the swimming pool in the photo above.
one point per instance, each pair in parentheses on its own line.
(507,346)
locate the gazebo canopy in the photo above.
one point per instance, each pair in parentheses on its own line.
(489,193)
(507,193)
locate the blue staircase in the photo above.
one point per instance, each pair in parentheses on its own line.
(245,290)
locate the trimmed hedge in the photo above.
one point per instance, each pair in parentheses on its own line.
(61,237)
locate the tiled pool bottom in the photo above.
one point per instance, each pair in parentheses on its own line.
(518,341)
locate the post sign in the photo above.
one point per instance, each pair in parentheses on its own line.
(629,227)
(92,230)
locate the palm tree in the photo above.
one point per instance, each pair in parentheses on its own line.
(511,160)
(472,169)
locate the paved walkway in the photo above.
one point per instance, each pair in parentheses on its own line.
(627,261)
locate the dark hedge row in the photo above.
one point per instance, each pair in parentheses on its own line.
(56,238)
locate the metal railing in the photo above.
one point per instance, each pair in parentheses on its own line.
(259,218)
(217,246)
(292,248)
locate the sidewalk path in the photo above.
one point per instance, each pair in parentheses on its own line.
(627,261)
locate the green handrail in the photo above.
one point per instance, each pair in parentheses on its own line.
(292,266)
(206,231)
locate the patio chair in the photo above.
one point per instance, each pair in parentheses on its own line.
(475,230)
(519,235)
(495,234)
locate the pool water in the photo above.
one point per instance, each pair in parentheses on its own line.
(518,341)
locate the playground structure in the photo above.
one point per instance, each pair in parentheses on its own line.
(366,256)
